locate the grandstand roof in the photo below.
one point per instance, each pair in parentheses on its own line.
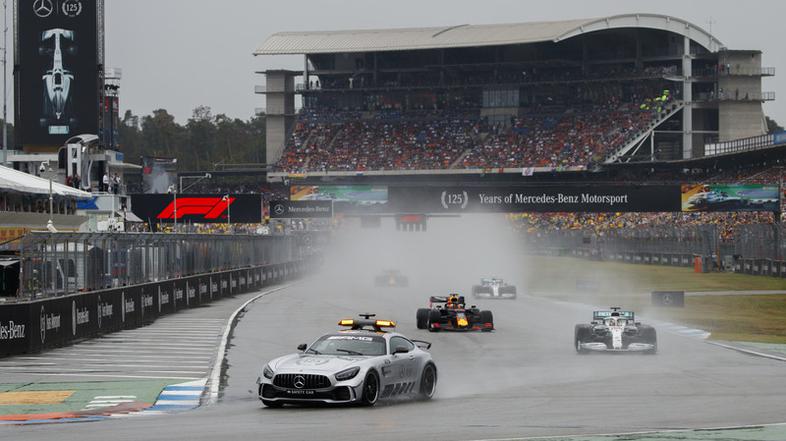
(22,182)
(380,40)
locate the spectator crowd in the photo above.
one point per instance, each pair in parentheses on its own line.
(566,126)
(601,224)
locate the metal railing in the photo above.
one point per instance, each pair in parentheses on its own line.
(701,240)
(67,263)
(755,241)
(740,96)
(745,144)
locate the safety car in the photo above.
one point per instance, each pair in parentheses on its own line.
(363,363)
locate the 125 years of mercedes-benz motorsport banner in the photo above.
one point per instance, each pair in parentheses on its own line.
(57,70)
(563,198)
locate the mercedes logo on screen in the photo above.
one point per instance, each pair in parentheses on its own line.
(43,8)
(279,209)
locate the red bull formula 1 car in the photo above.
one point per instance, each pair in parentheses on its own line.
(451,314)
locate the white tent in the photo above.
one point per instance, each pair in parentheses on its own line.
(15,180)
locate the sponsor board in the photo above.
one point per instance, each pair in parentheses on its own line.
(204,209)
(37,325)
(301,209)
(12,330)
(562,198)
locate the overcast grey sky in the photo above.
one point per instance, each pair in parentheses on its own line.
(178,54)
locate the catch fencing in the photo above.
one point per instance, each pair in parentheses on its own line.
(60,264)
(752,249)
(77,286)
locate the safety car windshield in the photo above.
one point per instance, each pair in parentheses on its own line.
(339,344)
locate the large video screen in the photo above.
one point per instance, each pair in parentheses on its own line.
(57,79)
(356,194)
(730,197)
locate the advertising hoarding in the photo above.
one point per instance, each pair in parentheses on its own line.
(198,209)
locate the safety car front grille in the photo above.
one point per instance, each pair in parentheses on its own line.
(310,381)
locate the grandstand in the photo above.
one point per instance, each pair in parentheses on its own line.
(517,98)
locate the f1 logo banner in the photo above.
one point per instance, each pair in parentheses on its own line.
(520,199)
(200,209)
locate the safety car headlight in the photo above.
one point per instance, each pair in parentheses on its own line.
(348,374)
(267,372)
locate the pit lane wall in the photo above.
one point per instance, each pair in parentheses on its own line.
(41,324)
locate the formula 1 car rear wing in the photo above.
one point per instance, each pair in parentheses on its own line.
(600,315)
(441,300)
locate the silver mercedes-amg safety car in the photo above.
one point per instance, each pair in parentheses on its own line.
(360,364)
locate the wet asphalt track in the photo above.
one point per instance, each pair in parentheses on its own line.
(523,380)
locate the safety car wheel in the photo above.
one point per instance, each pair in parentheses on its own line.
(370,392)
(428,382)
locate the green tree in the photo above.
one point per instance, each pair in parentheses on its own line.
(161,135)
(201,135)
(203,141)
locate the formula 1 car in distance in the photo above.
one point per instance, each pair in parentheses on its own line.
(451,314)
(615,331)
(361,364)
(391,279)
(494,288)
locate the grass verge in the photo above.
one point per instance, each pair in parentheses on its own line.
(752,318)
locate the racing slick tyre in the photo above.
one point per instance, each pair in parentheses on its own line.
(433,317)
(422,318)
(428,382)
(581,334)
(648,335)
(487,317)
(370,393)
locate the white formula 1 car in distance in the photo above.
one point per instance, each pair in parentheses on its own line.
(493,288)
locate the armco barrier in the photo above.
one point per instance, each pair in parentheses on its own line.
(37,325)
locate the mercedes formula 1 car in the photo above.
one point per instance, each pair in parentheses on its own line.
(451,314)
(392,279)
(494,288)
(615,331)
(361,364)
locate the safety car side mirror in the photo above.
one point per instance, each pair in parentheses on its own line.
(302,347)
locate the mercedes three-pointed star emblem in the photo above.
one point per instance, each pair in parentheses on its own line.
(43,8)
